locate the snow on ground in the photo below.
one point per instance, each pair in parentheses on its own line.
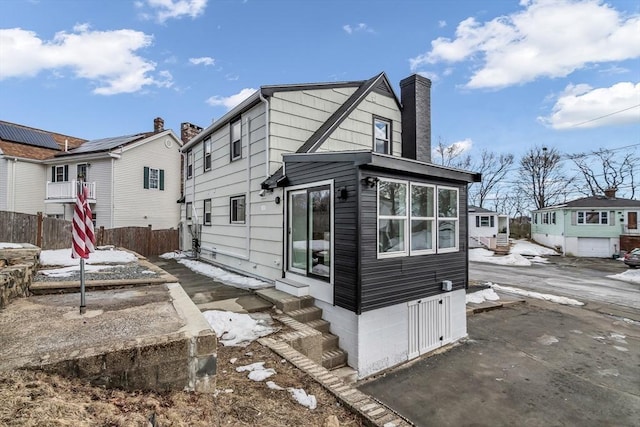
(237,329)
(69,271)
(539,260)
(524,247)
(484,255)
(308,400)
(62,257)
(4,245)
(536,295)
(226,277)
(482,296)
(631,276)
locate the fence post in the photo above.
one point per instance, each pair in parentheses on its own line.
(149,241)
(101,236)
(39,230)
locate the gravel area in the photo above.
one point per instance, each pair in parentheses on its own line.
(117,272)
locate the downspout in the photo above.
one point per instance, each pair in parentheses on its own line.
(267,161)
(248,200)
(13,184)
(113,183)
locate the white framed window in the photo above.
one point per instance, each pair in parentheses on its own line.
(189,164)
(153,178)
(392,218)
(189,211)
(81,171)
(413,221)
(238,211)
(381,135)
(485,221)
(60,173)
(236,140)
(207,212)
(423,233)
(593,217)
(447,219)
(207,154)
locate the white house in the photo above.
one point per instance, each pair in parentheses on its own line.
(487,228)
(328,189)
(134,180)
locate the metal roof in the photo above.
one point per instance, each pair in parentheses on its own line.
(104,144)
(32,137)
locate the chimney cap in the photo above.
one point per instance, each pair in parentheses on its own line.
(158,124)
(610,192)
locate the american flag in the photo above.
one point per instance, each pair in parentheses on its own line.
(82,233)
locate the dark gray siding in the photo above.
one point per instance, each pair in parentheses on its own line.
(345,258)
(389,281)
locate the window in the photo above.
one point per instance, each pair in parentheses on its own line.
(422,218)
(392,217)
(236,140)
(429,232)
(447,219)
(238,210)
(94,218)
(81,172)
(207,212)
(381,136)
(593,217)
(189,211)
(485,221)
(207,154)
(189,164)
(153,178)
(60,173)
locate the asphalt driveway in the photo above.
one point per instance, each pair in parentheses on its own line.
(533,364)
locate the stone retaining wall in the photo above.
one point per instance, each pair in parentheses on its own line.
(17,268)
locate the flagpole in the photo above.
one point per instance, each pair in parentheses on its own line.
(83,307)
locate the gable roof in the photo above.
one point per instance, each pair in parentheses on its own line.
(597,202)
(26,142)
(476,209)
(379,83)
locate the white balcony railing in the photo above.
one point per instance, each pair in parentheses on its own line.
(67,191)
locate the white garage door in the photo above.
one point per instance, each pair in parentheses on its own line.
(596,247)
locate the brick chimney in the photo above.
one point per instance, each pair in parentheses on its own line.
(610,193)
(158,125)
(415,94)
(188,131)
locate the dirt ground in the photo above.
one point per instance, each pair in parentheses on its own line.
(37,399)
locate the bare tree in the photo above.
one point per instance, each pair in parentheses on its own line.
(604,169)
(541,177)
(493,168)
(452,155)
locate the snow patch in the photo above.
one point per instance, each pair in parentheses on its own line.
(4,245)
(173,255)
(301,396)
(237,329)
(226,277)
(547,297)
(274,386)
(482,296)
(484,255)
(524,247)
(631,276)
(69,271)
(62,257)
(261,374)
(547,340)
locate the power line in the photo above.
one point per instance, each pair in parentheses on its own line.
(606,115)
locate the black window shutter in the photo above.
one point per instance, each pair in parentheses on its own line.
(53,174)
(492,220)
(66,173)
(477,221)
(161,179)
(146,177)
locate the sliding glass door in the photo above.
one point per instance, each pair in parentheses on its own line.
(309,232)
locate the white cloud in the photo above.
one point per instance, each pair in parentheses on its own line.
(230,101)
(454,149)
(361,27)
(581,106)
(167,9)
(203,60)
(550,38)
(442,24)
(107,58)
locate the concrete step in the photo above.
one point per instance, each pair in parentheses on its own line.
(320,325)
(284,301)
(329,341)
(347,374)
(292,287)
(333,359)
(306,314)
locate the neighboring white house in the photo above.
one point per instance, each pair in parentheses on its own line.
(328,189)
(487,228)
(133,180)
(587,227)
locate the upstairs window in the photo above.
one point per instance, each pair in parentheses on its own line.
(189,164)
(381,136)
(238,210)
(153,178)
(60,173)
(81,172)
(236,140)
(207,154)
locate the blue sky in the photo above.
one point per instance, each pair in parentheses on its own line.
(507,75)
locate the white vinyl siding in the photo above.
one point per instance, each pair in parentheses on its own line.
(23,193)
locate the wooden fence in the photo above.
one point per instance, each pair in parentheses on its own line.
(52,233)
